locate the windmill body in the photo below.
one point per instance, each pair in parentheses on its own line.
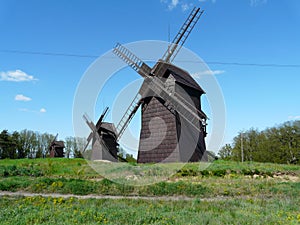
(56,148)
(104,140)
(166,136)
(105,148)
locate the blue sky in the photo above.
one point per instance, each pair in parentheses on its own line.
(37,91)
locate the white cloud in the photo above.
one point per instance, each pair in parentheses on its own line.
(207,72)
(43,110)
(186,6)
(183,4)
(23,98)
(24,110)
(172,4)
(16,76)
(254,3)
(294,117)
(213,1)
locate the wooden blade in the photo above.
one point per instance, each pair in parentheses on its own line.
(182,35)
(129,114)
(132,60)
(89,123)
(88,141)
(99,122)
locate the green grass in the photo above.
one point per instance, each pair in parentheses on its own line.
(197,187)
(40,210)
(254,192)
(75,176)
(51,166)
(81,167)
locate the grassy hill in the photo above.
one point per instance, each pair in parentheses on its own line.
(223,192)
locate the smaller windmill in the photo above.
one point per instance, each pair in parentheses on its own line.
(104,139)
(56,148)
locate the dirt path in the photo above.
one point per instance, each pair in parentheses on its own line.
(153,198)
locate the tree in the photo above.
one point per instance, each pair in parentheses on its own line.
(69,146)
(121,153)
(74,146)
(280,144)
(79,145)
(129,158)
(226,152)
(7,146)
(26,143)
(34,144)
(46,140)
(15,139)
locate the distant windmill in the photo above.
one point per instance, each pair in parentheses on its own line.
(170,94)
(104,139)
(56,148)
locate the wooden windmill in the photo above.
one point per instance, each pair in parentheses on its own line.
(170,94)
(104,139)
(56,148)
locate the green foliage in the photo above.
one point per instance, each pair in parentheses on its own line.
(129,158)
(279,144)
(24,144)
(226,152)
(31,144)
(8,145)
(74,146)
(122,154)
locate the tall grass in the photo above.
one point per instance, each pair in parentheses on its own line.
(40,210)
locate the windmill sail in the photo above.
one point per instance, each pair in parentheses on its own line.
(132,60)
(129,114)
(54,139)
(131,110)
(93,133)
(182,35)
(98,124)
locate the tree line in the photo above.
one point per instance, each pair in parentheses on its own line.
(279,144)
(31,144)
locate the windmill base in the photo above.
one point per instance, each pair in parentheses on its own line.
(99,152)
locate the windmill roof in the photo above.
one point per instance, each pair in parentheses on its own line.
(186,79)
(58,144)
(180,75)
(110,127)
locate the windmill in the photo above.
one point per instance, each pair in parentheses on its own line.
(56,148)
(173,126)
(103,137)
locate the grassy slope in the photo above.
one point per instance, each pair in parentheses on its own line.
(75,176)
(255,194)
(38,210)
